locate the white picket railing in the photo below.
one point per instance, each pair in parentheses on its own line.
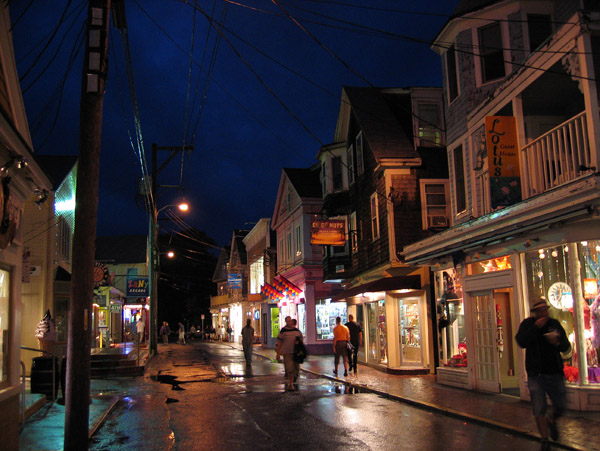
(557,157)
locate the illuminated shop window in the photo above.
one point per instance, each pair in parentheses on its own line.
(548,276)
(492,265)
(451,319)
(326,312)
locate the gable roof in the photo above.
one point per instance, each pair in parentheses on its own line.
(220,273)
(238,245)
(57,167)
(306,181)
(122,249)
(385,118)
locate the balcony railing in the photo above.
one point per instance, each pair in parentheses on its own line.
(557,157)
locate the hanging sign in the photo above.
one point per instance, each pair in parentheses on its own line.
(137,287)
(503,160)
(330,232)
(234,281)
(101,275)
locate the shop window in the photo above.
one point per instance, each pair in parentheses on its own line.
(491,265)
(451,319)
(257,275)
(326,313)
(377,332)
(548,276)
(4,326)
(302,318)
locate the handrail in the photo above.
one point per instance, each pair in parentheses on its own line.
(54,357)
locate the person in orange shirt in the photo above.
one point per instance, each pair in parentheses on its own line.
(341,338)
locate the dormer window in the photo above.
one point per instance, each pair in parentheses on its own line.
(336,174)
(429,131)
(491,52)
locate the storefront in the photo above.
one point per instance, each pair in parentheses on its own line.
(107,317)
(480,305)
(394,316)
(131,314)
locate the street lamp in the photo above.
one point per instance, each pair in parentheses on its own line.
(153,270)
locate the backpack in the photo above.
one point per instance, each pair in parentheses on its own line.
(299,351)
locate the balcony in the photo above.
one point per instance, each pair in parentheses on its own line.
(557,157)
(218,301)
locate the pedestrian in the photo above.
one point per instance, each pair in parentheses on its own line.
(356,338)
(181,339)
(221,332)
(164,332)
(192,332)
(286,341)
(341,338)
(248,341)
(229,331)
(213,333)
(140,327)
(544,339)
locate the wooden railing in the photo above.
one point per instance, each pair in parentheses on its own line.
(557,157)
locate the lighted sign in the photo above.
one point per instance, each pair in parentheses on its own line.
(234,281)
(503,160)
(137,287)
(328,232)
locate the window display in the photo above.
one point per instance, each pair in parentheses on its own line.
(377,331)
(302,318)
(451,318)
(548,276)
(410,330)
(326,312)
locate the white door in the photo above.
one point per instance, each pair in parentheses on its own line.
(486,356)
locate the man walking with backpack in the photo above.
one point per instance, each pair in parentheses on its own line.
(286,341)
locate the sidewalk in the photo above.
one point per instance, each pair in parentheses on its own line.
(578,430)
(44,428)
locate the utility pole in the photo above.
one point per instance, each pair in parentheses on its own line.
(153,237)
(77,396)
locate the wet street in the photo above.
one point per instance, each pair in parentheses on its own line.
(202,396)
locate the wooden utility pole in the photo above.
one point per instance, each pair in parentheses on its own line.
(77,396)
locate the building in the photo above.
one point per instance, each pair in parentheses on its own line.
(262,265)
(219,303)
(122,299)
(299,263)
(521,101)
(386,178)
(237,286)
(21,178)
(47,241)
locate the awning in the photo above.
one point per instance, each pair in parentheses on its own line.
(383,284)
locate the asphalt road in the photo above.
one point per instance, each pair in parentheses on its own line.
(202,397)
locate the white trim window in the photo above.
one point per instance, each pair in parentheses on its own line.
(350,164)
(460,190)
(257,275)
(452,74)
(430,134)
(298,237)
(360,164)
(289,256)
(353,233)
(374,217)
(491,52)
(434,203)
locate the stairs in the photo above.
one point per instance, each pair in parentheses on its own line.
(115,365)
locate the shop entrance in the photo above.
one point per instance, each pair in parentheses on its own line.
(494,354)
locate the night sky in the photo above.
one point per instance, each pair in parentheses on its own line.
(271,101)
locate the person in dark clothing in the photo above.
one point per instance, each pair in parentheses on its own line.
(356,337)
(544,339)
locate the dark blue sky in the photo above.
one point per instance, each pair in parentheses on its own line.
(244,136)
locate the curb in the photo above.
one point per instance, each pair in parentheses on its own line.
(103,418)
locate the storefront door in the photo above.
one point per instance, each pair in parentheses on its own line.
(410,331)
(486,355)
